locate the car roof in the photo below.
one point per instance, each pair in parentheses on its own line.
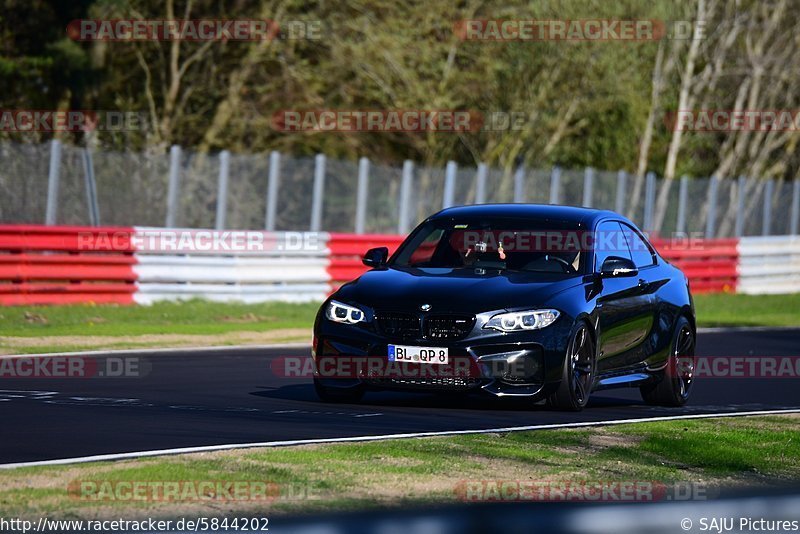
(573,214)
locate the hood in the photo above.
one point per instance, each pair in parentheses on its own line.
(454,290)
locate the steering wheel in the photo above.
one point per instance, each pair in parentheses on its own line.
(564,263)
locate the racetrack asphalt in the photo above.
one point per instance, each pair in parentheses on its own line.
(232,396)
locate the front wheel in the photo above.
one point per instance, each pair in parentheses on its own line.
(338,395)
(675,383)
(578,375)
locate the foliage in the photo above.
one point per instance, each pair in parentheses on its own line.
(587,103)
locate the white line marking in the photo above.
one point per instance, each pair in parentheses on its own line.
(286,443)
(744,329)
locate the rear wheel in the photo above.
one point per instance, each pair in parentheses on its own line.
(578,376)
(339,395)
(675,383)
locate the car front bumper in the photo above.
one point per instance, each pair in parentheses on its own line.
(523,364)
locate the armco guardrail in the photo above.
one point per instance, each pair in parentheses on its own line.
(346,251)
(769,265)
(64,265)
(45,265)
(710,264)
(278,268)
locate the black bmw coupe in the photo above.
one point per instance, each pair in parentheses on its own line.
(543,302)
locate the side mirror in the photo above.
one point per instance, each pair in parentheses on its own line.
(615,267)
(375,257)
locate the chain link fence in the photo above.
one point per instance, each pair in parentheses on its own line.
(60,184)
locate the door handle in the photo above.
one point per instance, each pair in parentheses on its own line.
(642,282)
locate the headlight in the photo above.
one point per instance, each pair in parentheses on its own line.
(342,313)
(524,320)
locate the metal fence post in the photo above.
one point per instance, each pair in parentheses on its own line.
(480,183)
(622,184)
(519,184)
(173,187)
(272,190)
(683,194)
(711,212)
(51,215)
(405,197)
(449,184)
(222,189)
(319,191)
(767,221)
(739,224)
(555,179)
(649,201)
(588,186)
(795,207)
(684,220)
(361,195)
(91,188)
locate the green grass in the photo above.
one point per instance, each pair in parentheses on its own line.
(42,329)
(722,309)
(715,453)
(725,447)
(191,317)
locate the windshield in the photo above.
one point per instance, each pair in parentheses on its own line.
(513,244)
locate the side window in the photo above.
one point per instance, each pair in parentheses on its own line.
(609,241)
(641,253)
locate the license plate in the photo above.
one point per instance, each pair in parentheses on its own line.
(407,353)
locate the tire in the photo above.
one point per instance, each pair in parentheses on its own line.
(579,371)
(674,384)
(338,395)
